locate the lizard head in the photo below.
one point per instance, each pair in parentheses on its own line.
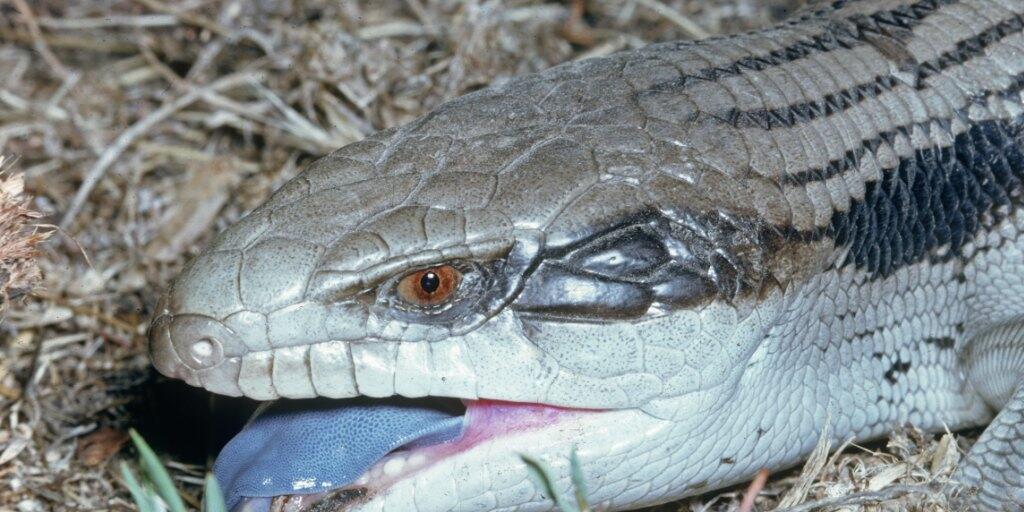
(572,286)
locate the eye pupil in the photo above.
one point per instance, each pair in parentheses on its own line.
(429,287)
(430,282)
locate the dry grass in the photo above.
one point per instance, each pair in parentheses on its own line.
(20,236)
(145,126)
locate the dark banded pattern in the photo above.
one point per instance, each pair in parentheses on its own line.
(840,101)
(853,156)
(894,134)
(845,33)
(935,201)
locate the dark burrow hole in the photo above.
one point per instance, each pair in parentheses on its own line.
(189,424)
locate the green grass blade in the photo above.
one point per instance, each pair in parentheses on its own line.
(140,494)
(157,474)
(542,475)
(578,483)
(213,498)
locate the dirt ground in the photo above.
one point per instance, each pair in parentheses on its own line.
(143,127)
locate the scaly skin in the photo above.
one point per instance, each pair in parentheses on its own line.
(724,244)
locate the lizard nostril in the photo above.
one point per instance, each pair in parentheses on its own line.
(204,351)
(202,342)
(197,349)
(203,348)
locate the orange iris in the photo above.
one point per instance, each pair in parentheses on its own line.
(430,286)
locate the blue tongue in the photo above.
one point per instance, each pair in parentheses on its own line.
(312,446)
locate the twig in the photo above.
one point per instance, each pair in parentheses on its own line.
(39,41)
(575,30)
(301,127)
(863,498)
(397,28)
(140,127)
(28,384)
(80,310)
(747,505)
(421,13)
(689,26)
(208,53)
(104,44)
(187,17)
(812,468)
(146,20)
(160,67)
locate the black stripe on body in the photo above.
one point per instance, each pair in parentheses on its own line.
(851,158)
(842,100)
(936,201)
(845,33)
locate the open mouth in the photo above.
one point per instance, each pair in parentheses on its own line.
(321,454)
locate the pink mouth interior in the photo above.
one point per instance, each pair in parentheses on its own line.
(488,419)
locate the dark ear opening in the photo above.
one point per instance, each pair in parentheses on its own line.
(625,273)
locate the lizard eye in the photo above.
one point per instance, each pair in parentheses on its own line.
(430,286)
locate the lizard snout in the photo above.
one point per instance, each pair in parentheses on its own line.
(197,349)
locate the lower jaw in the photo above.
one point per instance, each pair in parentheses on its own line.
(486,421)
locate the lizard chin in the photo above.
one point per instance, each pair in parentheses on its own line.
(485,421)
